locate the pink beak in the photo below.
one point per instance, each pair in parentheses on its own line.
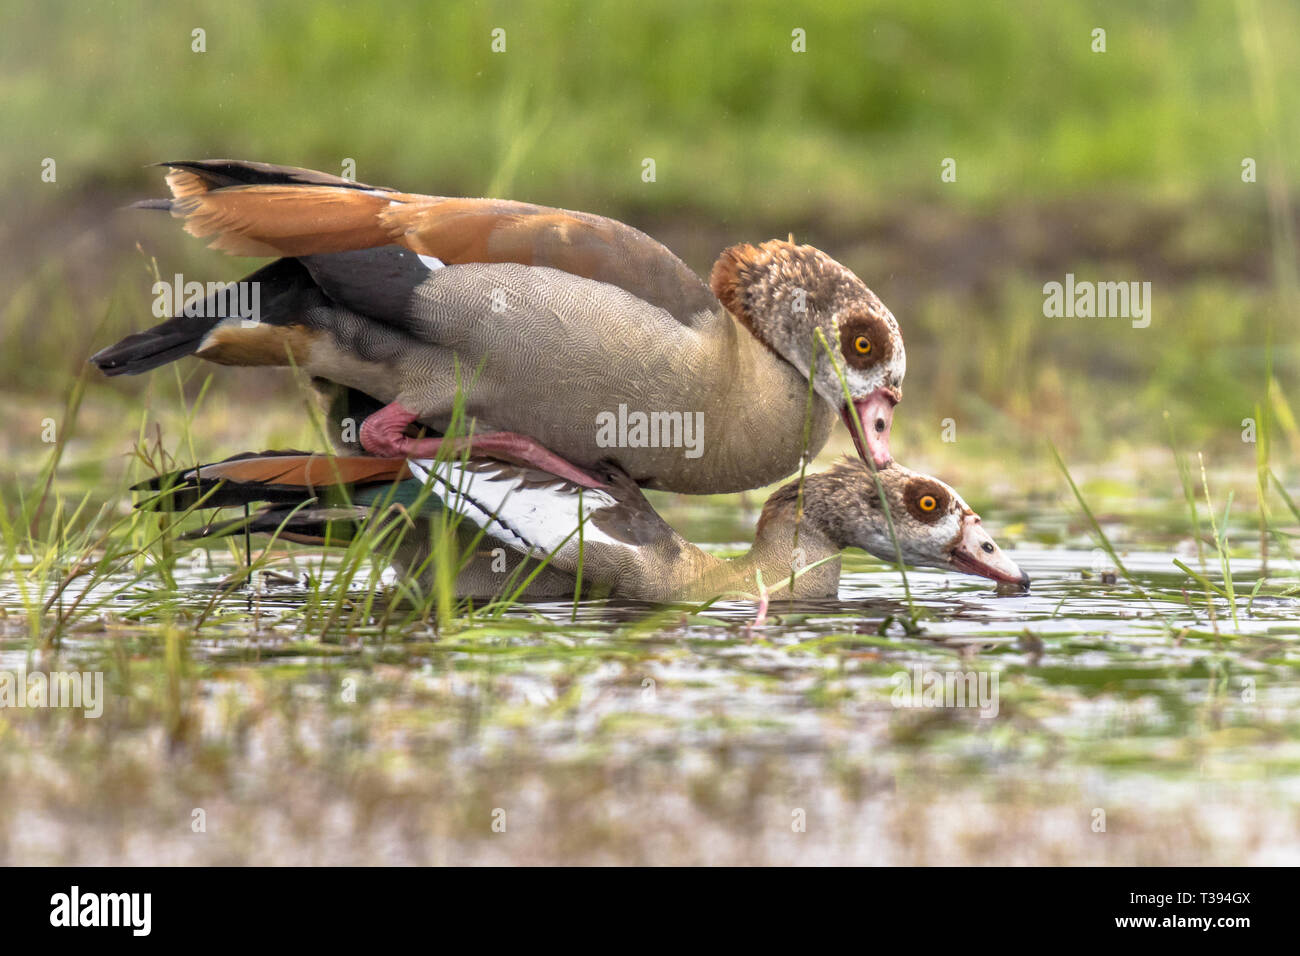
(977,553)
(877,414)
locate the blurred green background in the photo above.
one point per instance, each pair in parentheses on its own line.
(1123,165)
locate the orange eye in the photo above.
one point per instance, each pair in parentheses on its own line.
(862,345)
(927,503)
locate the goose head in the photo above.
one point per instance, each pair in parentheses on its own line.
(783,293)
(934,526)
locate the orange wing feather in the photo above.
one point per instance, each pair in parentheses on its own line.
(285,220)
(308,471)
(306,218)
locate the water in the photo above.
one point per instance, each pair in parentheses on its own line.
(1112,725)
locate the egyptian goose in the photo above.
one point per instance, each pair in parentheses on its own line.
(575,339)
(627,549)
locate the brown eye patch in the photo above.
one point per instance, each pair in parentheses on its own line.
(927,501)
(865,340)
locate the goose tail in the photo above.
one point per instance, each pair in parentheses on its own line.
(302,497)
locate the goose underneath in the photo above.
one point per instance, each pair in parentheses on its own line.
(548,526)
(573,338)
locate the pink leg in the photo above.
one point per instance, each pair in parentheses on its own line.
(382,435)
(760,618)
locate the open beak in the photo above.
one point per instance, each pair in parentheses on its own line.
(877,414)
(977,553)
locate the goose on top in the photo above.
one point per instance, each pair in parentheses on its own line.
(545,319)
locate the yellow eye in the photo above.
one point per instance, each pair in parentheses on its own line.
(928,503)
(862,344)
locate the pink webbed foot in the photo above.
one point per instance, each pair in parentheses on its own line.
(383,434)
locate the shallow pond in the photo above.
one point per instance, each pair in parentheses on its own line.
(1090,720)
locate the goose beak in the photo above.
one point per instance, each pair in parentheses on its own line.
(977,553)
(876,412)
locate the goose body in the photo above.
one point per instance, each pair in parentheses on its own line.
(612,534)
(550,324)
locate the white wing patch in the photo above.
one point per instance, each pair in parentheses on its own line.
(431,263)
(535,519)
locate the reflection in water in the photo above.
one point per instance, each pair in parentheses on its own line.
(601,717)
